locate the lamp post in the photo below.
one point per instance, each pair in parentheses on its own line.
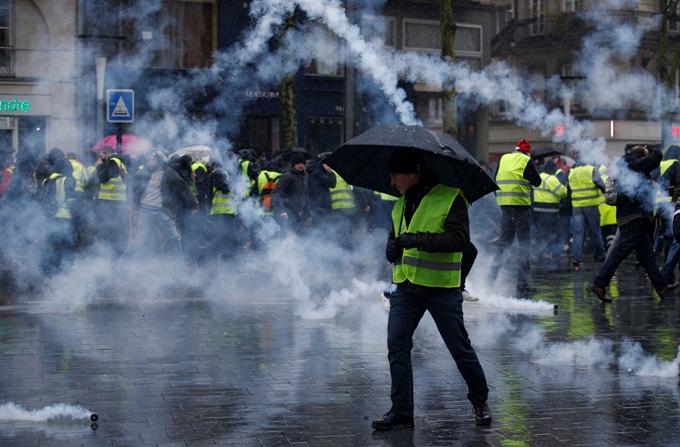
(100,66)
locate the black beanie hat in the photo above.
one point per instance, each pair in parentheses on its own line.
(405,162)
(297,157)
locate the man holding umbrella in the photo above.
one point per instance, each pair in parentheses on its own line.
(430,230)
(436,179)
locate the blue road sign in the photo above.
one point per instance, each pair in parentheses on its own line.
(120,106)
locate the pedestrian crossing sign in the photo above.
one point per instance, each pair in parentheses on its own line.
(120,106)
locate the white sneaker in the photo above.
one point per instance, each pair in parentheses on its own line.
(468,297)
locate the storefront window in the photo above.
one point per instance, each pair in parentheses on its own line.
(323,134)
(32,134)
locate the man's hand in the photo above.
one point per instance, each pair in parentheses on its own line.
(392,251)
(407,240)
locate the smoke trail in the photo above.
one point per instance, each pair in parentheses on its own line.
(634,359)
(13,412)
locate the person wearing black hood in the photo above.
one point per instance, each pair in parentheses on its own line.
(58,196)
(666,178)
(290,198)
(321,178)
(634,207)
(178,199)
(111,207)
(430,229)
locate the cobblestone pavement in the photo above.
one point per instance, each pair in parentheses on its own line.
(193,371)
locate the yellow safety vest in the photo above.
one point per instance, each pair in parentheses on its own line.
(115,189)
(221,204)
(547,196)
(515,189)
(662,195)
(421,267)
(584,191)
(342,197)
(62,204)
(607,212)
(245,164)
(385,197)
(79,175)
(195,167)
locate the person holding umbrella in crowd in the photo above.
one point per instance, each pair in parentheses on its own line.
(430,230)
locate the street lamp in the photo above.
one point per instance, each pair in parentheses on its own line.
(100,66)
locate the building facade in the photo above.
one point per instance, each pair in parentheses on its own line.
(38,74)
(542,37)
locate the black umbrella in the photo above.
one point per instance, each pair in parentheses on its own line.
(363,160)
(543,152)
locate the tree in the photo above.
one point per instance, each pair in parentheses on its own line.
(288,119)
(667,64)
(448,28)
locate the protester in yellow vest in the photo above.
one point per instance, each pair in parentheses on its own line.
(545,217)
(665,177)
(111,209)
(430,230)
(607,215)
(224,226)
(59,190)
(586,188)
(515,175)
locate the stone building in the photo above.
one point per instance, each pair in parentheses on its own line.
(542,37)
(38,46)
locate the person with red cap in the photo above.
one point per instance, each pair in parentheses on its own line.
(515,175)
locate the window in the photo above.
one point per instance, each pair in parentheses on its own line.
(571,5)
(673,21)
(383,28)
(504,16)
(423,35)
(536,14)
(329,65)
(5,38)
(180,34)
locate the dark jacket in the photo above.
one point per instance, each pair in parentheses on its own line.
(320,183)
(636,202)
(456,235)
(107,170)
(291,195)
(176,192)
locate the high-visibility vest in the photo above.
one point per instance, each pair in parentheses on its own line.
(195,167)
(266,184)
(79,175)
(662,195)
(584,191)
(514,188)
(607,212)
(385,197)
(221,204)
(245,164)
(60,192)
(114,189)
(421,267)
(342,197)
(547,196)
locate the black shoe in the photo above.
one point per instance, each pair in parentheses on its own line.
(525,290)
(393,421)
(576,265)
(482,414)
(600,293)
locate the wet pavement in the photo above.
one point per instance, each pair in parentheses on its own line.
(256,371)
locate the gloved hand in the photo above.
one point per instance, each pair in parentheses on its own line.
(392,252)
(407,240)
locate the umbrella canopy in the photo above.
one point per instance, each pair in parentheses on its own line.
(543,152)
(132,144)
(363,160)
(197,153)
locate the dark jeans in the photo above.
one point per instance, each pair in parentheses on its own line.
(446,308)
(515,221)
(632,236)
(668,269)
(608,235)
(226,235)
(586,217)
(469,256)
(546,234)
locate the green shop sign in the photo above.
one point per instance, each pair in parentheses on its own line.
(15,105)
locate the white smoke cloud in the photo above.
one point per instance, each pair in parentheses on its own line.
(13,412)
